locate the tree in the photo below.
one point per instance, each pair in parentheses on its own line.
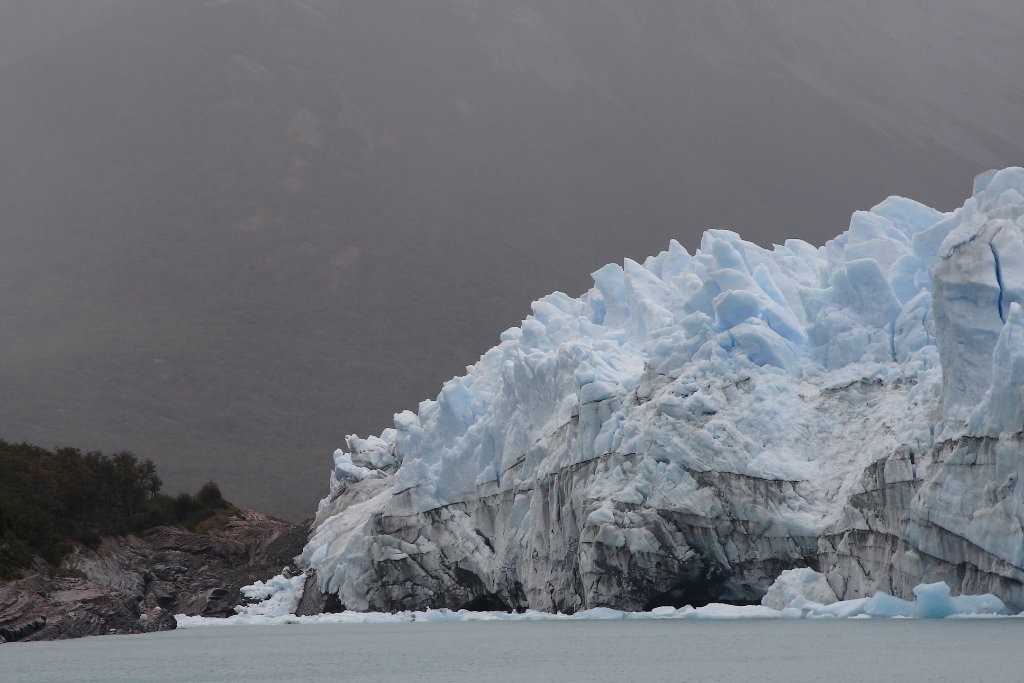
(148,478)
(209,495)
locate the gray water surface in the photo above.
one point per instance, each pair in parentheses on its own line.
(819,651)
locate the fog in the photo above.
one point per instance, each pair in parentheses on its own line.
(234,231)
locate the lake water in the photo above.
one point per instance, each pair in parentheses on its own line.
(990,650)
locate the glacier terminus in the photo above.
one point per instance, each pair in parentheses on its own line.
(697,424)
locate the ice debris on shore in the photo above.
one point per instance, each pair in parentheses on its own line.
(804,589)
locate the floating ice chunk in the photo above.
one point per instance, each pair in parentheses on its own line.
(978,605)
(730,612)
(798,583)
(844,609)
(933,601)
(884,606)
(277,597)
(599,614)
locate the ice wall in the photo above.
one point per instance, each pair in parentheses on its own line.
(695,424)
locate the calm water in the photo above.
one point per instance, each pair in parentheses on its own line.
(821,651)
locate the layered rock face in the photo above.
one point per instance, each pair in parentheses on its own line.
(694,425)
(135,584)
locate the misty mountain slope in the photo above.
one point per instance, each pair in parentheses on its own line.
(203,201)
(31,26)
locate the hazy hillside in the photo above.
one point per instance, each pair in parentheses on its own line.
(233,231)
(31,26)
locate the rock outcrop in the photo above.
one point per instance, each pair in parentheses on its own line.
(694,425)
(136,584)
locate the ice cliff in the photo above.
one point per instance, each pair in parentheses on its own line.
(696,424)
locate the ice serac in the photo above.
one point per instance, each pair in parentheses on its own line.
(694,425)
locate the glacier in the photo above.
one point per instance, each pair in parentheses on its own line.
(697,424)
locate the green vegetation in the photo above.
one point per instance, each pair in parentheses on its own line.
(51,499)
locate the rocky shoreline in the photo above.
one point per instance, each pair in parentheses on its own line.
(136,584)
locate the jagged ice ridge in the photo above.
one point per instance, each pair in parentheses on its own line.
(694,425)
